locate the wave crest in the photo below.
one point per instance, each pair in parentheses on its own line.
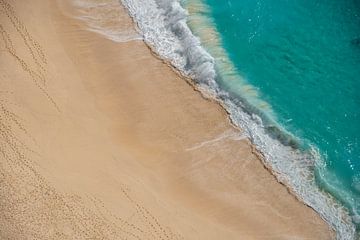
(163,24)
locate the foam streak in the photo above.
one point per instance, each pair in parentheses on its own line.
(164,28)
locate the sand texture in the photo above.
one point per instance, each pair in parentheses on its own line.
(99,139)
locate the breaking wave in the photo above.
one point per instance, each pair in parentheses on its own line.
(164,26)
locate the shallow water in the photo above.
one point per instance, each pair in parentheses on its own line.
(303,58)
(284,79)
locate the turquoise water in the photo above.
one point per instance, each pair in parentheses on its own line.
(303,58)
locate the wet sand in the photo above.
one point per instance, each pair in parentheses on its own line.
(100,139)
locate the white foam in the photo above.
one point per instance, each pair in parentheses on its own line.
(228,135)
(164,28)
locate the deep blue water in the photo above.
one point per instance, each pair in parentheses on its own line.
(303,57)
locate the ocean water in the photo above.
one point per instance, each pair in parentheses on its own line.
(303,57)
(288,73)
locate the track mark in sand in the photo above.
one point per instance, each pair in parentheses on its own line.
(30,207)
(33,47)
(37,73)
(155,228)
(129,229)
(141,224)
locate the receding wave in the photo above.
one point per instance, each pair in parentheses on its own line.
(163,24)
(102,17)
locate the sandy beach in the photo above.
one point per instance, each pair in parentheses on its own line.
(100,139)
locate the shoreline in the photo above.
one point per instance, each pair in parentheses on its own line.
(134,146)
(211,97)
(328,207)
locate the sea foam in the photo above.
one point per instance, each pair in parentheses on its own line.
(163,24)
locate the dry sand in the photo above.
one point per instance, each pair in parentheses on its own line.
(102,140)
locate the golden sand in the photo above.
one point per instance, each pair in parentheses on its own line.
(102,140)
